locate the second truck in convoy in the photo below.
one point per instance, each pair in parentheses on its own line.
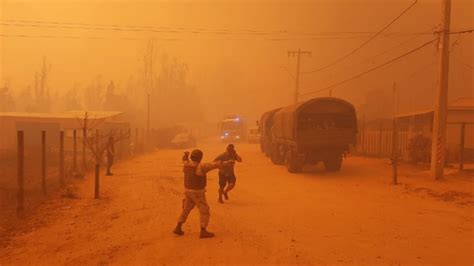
(320,129)
(266,124)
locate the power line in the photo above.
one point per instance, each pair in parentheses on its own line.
(372,69)
(459,32)
(461,62)
(322,36)
(81,37)
(178,39)
(400,44)
(417,71)
(366,42)
(117,27)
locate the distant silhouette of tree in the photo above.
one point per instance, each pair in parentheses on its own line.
(70,100)
(116,102)
(93,94)
(174,99)
(7,103)
(41,87)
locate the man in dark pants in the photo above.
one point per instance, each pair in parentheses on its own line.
(195,182)
(226,173)
(110,155)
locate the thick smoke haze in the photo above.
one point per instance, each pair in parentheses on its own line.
(226,57)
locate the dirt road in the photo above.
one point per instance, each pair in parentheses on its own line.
(351,217)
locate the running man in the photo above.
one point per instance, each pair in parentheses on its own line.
(226,173)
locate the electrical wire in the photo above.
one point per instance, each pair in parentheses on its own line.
(81,37)
(364,43)
(269,37)
(184,38)
(116,27)
(370,58)
(372,69)
(461,62)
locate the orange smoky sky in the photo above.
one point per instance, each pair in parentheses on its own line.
(239,47)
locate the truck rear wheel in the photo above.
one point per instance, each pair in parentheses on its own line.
(293,164)
(276,156)
(268,150)
(333,162)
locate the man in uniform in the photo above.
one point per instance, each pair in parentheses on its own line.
(226,173)
(195,181)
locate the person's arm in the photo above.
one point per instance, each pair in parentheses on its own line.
(185,157)
(218,158)
(238,158)
(207,167)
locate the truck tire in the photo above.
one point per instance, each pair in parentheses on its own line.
(333,162)
(292,163)
(276,156)
(268,150)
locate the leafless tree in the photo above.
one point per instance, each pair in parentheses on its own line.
(97,142)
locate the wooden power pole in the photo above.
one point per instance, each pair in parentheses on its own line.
(438,146)
(298,54)
(395,136)
(148,120)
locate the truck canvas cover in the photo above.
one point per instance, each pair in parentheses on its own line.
(265,122)
(285,125)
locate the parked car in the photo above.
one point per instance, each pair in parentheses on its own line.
(183,140)
(253,135)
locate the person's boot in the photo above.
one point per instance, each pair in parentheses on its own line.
(178,230)
(205,234)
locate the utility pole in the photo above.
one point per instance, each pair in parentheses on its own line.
(148,121)
(394,137)
(297,79)
(438,145)
(148,116)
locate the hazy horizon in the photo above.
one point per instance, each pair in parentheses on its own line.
(234,51)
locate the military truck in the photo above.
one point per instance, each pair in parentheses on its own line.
(265,126)
(309,132)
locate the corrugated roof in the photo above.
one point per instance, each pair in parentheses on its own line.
(70,114)
(457,104)
(419,112)
(462,103)
(93,114)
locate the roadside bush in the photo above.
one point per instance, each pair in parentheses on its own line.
(419,148)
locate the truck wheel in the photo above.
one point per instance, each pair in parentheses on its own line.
(333,163)
(276,156)
(268,151)
(293,165)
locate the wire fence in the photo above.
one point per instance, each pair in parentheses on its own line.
(379,143)
(44,164)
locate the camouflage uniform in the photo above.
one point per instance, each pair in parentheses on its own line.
(195,181)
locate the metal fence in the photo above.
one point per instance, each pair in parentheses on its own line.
(379,143)
(45,163)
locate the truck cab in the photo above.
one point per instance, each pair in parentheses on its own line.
(232,129)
